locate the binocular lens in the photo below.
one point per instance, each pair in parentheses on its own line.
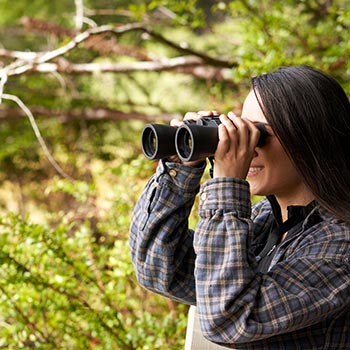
(195,141)
(184,143)
(149,143)
(158,141)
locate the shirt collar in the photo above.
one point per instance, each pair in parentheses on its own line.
(296,212)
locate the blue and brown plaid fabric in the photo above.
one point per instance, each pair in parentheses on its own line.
(301,302)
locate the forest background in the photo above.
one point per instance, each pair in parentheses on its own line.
(78,80)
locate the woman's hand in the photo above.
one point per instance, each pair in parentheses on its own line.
(190,116)
(236,148)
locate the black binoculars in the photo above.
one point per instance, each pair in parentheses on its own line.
(194,140)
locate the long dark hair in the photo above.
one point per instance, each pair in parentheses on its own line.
(310,114)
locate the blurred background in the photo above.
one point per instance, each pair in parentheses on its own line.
(78,81)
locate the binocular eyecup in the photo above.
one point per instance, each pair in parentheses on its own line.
(158,141)
(194,140)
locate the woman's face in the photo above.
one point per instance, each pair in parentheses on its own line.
(271,171)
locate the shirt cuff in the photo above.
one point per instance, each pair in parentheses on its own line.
(227,194)
(187,178)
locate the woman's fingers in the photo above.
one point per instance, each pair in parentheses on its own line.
(198,115)
(243,132)
(226,134)
(176,122)
(253,132)
(207,113)
(237,141)
(192,116)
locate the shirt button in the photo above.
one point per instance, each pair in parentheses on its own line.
(172,173)
(204,196)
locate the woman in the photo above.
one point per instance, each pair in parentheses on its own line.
(277,275)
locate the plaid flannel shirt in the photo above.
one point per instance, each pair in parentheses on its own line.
(302,302)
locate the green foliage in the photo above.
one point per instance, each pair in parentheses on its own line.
(183,13)
(62,288)
(70,283)
(294,32)
(66,279)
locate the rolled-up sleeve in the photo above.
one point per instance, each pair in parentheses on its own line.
(238,305)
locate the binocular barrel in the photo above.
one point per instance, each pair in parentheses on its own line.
(193,140)
(158,141)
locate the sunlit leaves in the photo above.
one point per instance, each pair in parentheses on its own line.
(62,289)
(68,282)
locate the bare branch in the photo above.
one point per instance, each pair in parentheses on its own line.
(21,55)
(79,16)
(36,130)
(53,62)
(35,59)
(186,64)
(186,50)
(165,64)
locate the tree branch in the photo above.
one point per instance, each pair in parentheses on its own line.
(27,61)
(191,65)
(37,133)
(163,65)
(53,62)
